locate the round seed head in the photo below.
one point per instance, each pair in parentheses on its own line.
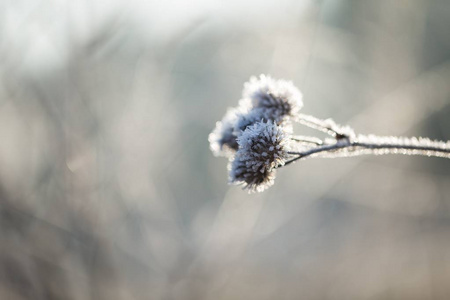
(263,146)
(249,118)
(222,140)
(253,181)
(281,96)
(260,114)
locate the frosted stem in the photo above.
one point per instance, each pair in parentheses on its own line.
(328,126)
(315,123)
(309,152)
(307,140)
(376,145)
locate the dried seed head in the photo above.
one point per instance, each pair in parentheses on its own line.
(245,120)
(253,181)
(263,146)
(280,96)
(222,140)
(259,114)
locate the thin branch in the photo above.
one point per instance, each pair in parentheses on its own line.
(315,123)
(378,146)
(307,140)
(309,152)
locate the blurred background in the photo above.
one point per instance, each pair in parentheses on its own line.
(108,189)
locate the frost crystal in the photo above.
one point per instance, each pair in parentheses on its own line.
(222,140)
(280,96)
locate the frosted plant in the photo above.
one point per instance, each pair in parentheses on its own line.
(262,148)
(257,136)
(222,140)
(280,96)
(246,119)
(264,99)
(253,181)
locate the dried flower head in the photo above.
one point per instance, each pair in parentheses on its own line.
(280,96)
(260,114)
(222,139)
(263,146)
(252,180)
(245,120)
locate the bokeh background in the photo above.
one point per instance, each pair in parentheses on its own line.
(108,189)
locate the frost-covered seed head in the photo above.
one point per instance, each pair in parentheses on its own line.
(253,181)
(260,114)
(263,146)
(281,96)
(245,120)
(222,139)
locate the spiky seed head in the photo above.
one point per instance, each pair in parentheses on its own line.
(222,140)
(263,146)
(249,118)
(281,96)
(252,180)
(259,114)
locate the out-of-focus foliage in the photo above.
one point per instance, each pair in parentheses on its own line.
(108,189)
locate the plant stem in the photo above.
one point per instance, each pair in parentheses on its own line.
(315,123)
(314,151)
(377,146)
(307,140)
